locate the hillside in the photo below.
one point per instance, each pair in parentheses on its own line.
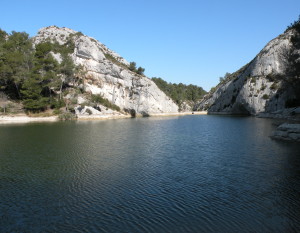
(185,96)
(61,70)
(268,85)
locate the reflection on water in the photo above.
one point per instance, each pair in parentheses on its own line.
(184,174)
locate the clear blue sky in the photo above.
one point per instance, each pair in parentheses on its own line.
(188,41)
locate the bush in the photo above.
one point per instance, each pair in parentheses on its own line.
(67,116)
(265,96)
(57,111)
(99,99)
(35,105)
(253,80)
(295,25)
(57,104)
(140,71)
(274,86)
(115,61)
(132,66)
(89,111)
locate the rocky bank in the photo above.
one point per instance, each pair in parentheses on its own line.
(287,132)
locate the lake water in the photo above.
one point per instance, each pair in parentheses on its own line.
(177,174)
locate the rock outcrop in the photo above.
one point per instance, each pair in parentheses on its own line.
(107,73)
(269,83)
(287,132)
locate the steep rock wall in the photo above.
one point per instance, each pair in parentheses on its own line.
(266,84)
(107,73)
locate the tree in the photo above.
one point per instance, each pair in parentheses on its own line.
(132,66)
(31,94)
(180,92)
(15,61)
(140,71)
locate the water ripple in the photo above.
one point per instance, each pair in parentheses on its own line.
(185,174)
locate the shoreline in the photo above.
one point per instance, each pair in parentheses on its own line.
(22,118)
(179,114)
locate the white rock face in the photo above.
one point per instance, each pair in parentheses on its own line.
(107,74)
(260,86)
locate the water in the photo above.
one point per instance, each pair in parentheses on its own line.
(185,174)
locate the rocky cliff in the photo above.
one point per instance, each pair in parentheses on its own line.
(107,73)
(268,84)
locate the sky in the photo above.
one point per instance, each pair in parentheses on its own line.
(188,41)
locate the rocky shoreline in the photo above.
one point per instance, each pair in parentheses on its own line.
(287,132)
(22,118)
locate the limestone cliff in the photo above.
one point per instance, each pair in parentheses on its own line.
(268,84)
(107,73)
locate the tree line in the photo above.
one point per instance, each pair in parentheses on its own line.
(180,93)
(30,74)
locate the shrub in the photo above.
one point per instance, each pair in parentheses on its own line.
(57,111)
(263,87)
(140,71)
(265,96)
(274,86)
(67,116)
(74,101)
(99,99)
(57,104)
(295,25)
(132,66)
(115,61)
(89,111)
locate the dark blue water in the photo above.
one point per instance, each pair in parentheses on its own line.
(185,174)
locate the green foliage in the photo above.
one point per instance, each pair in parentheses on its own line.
(77,34)
(100,100)
(15,61)
(57,111)
(140,71)
(274,86)
(263,87)
(63,49)
(67,116)
(294,25)
(35,105)
(265,97)
(114,60)
(57,103)
(89,111)
(33,76)
(132,66)
(180,92)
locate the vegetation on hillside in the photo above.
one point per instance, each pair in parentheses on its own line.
(294,25)
(32,76)
(132,67)
(180,93)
